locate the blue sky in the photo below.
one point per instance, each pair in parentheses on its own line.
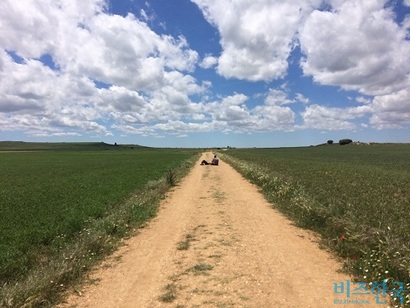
(205,73)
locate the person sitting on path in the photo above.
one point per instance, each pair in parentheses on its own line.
(214,162)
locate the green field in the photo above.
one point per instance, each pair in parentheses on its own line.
(356,196)
(62,208)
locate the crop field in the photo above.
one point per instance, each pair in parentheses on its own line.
(61,209)
(356,196)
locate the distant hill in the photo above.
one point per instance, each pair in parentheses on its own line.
(62,146)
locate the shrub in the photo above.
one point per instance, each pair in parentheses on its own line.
(171,177)
(345,141)
(330,142)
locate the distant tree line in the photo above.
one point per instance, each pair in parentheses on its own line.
(341,141)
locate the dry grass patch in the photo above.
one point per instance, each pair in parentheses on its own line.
(201,267)
(170,293)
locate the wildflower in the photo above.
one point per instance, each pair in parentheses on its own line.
(342,237)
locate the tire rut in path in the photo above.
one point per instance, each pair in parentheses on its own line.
(216,242)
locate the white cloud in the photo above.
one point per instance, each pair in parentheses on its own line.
(145,16)
(21,88)
(277,97)
(233,114)
(125,51)
(147,71)
(330,118)
(208,62)
(169,103)
(356,46)
(36,99)
(257,36)
(230,110)
(391,111)
(271,117)
(69,124)
(390,120)
(84,40)
(121,100)
(406,2)
(184,83)
(399,101)
(238,117)
(34,28)
(229,114)
(363,100)
(237,99)
(301,98)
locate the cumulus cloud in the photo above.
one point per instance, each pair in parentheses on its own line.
(237,99)
(125,51)
(358,46)
(169,103)
(270,115)
(344,45)
(274,118)
(355,45)
(257,36)
(301,98)
(363,100)
(146,74)
(391,111)
(83,39)
(36,99)
(22,90)
(228,114)
(208,62)
(230,111)
(120,99)
(331,118)
(277,97)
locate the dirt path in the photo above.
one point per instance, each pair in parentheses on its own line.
(216,242)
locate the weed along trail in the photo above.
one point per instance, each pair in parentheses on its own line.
(216,242)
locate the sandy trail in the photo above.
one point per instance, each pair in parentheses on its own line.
(216,242)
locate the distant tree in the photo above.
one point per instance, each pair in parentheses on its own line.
(330,142)
(345,141)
